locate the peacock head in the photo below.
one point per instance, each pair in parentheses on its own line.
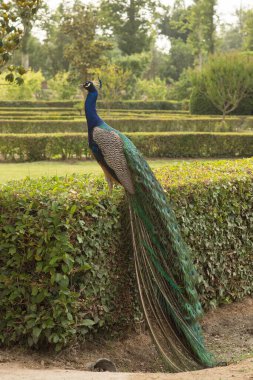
(91,86)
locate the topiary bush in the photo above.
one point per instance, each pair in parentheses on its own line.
(66,263)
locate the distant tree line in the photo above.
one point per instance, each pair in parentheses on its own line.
(120,37)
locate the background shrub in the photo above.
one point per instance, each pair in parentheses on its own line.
(201,105)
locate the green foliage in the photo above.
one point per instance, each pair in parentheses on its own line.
(174,21)
(30,89)
(230,38)
(54,45)
(41,146)
(12,15)
(247,30)
(225,81)
(62,277)
(129,104)
(35,52)
(213,205)
(84,49)
(180,58)
(130,23)
(135,63)
(181,89)
(202,28)
(200,104)
(66,267)
(60,87)
(115,81)
(68,120)
(154,89)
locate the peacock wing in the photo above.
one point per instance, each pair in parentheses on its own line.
(112,148)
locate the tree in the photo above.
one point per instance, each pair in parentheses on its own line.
(130,22)
(154,89)
(41,12)
(180,57)
(84,48)
(115,80)
(13,16)
(175,25)
(59,87)
(54,45)
(30,89)
(181,89)
(226,80)
(202,36)
(174,22)
(247,30)
(135,63)
(230,38)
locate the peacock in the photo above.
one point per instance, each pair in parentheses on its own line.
(165,273)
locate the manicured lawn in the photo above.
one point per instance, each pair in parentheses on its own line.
(15,171)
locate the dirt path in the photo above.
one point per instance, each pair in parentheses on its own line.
(228,332)
(241,371)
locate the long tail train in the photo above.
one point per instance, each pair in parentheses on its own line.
(165,274)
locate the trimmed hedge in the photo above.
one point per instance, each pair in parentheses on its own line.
(214,205)
(65,269)
(114,114)
(36,147)
(128,104)
(174,123)
(145,105)
(63,272)
(37,103)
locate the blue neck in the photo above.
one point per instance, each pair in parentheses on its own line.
(93,120)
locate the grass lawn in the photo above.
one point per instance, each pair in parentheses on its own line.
(15,171)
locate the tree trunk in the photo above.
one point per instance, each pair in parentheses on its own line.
(25,60)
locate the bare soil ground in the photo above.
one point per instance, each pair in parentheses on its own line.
(228,332)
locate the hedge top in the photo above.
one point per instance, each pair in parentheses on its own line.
(128,104)
(189,173)
(176,175)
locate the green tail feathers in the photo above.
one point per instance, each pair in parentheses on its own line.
(165,273)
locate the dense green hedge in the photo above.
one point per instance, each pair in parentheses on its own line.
(128,104)
(36,147)
(201,105)
(63,272)
(137,104)
(214,206)
(66,270)
(37,103)
(130,124)
(48,113)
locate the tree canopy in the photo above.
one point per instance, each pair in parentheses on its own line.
(15,19)
(118,37)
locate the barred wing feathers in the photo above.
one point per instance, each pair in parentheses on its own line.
(112,148)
